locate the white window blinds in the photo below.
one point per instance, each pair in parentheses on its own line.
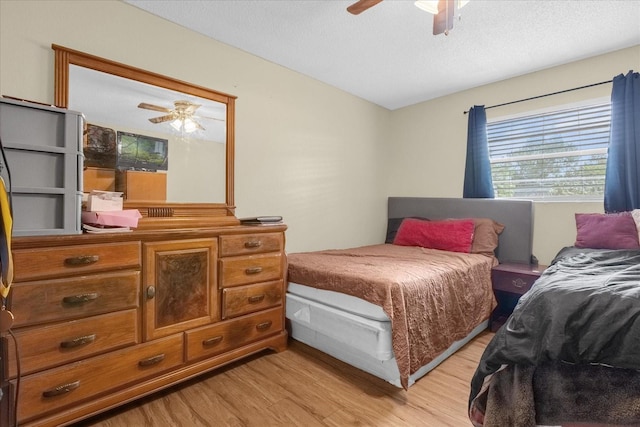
(557,155)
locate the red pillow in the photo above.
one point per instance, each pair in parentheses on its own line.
(451,235)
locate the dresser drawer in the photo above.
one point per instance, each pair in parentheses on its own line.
(251,243)
(243,270)
(70,260)
(241,300)
(48,391)
(42,347)
(223,336)
(60,299)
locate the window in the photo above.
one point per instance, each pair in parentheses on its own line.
(555,155)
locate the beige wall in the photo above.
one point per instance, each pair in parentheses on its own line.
(426,153)
(323,159)
(305,150)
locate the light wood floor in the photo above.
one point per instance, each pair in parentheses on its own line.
(304,387)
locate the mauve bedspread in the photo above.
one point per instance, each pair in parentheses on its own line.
(432,297)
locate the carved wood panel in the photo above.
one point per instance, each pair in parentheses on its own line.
(180,286)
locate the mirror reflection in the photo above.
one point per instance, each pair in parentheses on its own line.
(151,143)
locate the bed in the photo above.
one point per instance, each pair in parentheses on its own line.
(570,352)
(381,310)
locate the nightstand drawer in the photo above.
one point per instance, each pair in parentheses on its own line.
(515,278)
(512,282)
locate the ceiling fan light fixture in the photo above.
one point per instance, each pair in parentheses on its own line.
(430,6)
(189,125)
(176,124)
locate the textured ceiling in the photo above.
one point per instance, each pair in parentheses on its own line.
(388,55)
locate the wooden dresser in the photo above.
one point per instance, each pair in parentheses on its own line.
(104,319)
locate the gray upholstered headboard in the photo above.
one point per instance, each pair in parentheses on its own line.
(516,241)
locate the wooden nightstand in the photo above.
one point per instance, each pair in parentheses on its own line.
(510,282)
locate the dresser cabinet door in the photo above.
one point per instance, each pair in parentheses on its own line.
(179,289)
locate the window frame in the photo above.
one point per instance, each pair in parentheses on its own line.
(591,102)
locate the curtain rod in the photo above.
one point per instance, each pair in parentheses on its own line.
(548,94)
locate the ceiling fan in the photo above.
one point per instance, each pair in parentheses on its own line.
(443,11)
(182,116)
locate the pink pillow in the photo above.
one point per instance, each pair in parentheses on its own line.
(606,231)
(636,218)
(451,235)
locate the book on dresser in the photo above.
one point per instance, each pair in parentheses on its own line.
(261,220)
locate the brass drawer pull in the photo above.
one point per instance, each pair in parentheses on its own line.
(80,299)
(253,270)
(264,325)
(212,341)
(252,244)
(256,298)
(77,342)
(152,360)
(82,260)
(61,389)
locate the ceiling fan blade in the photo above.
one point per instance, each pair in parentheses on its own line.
(162,119)
(443,21)
(362,5)
(153,107)
(198,125)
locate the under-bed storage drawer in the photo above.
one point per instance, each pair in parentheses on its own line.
(223,336)
(243,270)
(53,389)
(246,299)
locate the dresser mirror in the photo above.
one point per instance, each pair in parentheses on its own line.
(167,145)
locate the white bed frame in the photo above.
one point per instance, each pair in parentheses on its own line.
(358,332)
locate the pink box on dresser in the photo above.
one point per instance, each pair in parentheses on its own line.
(124,218)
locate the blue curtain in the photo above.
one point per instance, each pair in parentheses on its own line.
(622,178)
(477,173)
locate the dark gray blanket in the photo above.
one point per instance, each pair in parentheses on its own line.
(584,309)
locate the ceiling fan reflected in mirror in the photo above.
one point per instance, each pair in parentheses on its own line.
(443,11)
(182,117)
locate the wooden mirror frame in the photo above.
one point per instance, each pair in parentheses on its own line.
(159,215)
